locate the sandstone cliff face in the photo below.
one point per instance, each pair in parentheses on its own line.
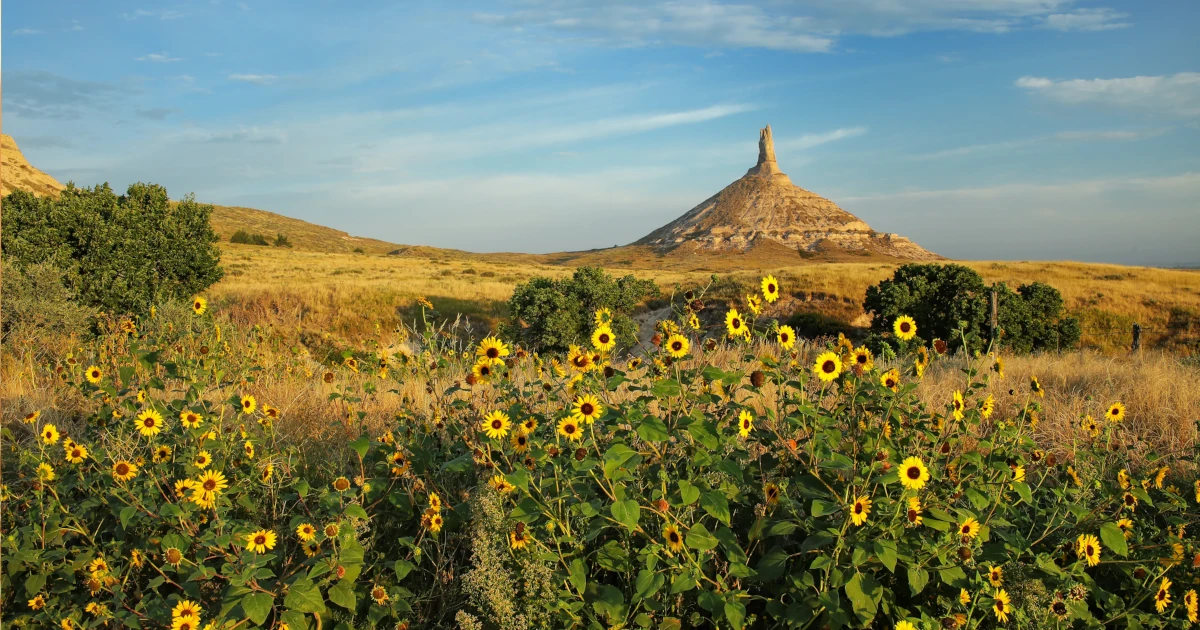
(17,174)
(764,205)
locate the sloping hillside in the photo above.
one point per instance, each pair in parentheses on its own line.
(18,174)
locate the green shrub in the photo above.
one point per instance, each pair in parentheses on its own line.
(951,302)
(242,237)
(40,313)
(551,315)
(281,240)
(120,254)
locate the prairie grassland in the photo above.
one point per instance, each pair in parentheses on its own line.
(351,293)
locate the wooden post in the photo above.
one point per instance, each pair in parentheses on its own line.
(994,317)
(1137,337)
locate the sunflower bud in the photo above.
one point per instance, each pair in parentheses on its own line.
(656,339)
(757,378)
(609,371)
(580,453)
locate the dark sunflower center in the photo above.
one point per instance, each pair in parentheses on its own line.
(913,472)
(521,440)
(737,323)
(862,358)
(828,367)
(485,370)
(674,537)
(586,409)
(122,469)
(260,540)
(770,288)
(604,338)
(912,515)
(677,346)
(569,429)
(858,508)
(783,337)
(904,327)
(149,422)
(210,485)
(746,424)
(496,424)
(1090,550)
(493,353)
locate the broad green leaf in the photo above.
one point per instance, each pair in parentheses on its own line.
(716,504)
(355,510)
(666,388)
(864,594)
(402,568)
(885,550)
(258,606)
(1114,539)
(917,579)
(304,596)
(735,613)
(626,512)
(578,575)
(361,445)
(342,594)
(821,508)
(687,492)
(699,538)
(653,430)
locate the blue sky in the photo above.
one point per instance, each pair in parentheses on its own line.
(982,129)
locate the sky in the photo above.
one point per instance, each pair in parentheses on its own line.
(981,129)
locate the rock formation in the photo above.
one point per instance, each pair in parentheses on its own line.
(764,205)
(17,174)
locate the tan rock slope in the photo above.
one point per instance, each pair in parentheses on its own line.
(764,207)
(17,174)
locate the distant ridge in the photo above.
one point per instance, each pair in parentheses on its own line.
(764,206)
(16,173)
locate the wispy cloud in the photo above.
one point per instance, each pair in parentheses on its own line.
(159,58)
(809,140)
(75,27)
(162,14)
(241,134)
(256,79)
(43,94)
(1061,136)
(26,31)
(1101,19)
(1174,95)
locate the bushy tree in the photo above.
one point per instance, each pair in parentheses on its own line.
(39,309)
(550,315)
(119,253)
(944,298)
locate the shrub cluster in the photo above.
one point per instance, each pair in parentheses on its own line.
(117,253)
(771,489)
(944,299)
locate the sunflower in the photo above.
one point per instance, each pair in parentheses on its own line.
(1088,547)
(1001,605)
(306,532)
(771,494)
(341,484)
(98,567)
(786,337)
(32,417)
(770,289)
(860,509)
(964,597)
(1161,476)
(1126,527)
(735,325)
(37,603)
(913,473)
(495,424)
(1035,387)
(162,454)
(520,442)
(1197,490)
(500,484)
(580,359)
(311,549)
(904,327)
(586,409)
(1018,473)
(185,608)
(149,422)
(482,371)
(273,412)
(1116,412)
(203,459)
(914,511)
(379,594)
(124,471)
(76,454)
(260,541)
(199,305)
(50,434)
(435,523)
(969,528)
(996,576)
(190,419)
(1191,605)
(861,360)
(93,374)
(693,322)
(745,422)
(1088,424)
(678,346)
(518,538)
(891,380)
(603,338)
(491,350)
(1074,476)
(987,407)
(210,483)
(905,625)
(568,428)
(331,530)
(602,316)
(754,303)
(1163,597)
(672,537)
(957,404)
(1130,501)
(827,366)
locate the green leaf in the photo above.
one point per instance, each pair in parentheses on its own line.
(626,512)
(687,492)
(355,510)
(127,514)
(304,596)
(301,487)
(717,505)
(666,388)
(703,435)
(361,445)
(342,594)
(648,582)
(653,430)
(917,579)
(885,550)
(402,568)
(258,606)
(735,613)
(1114,539)
(821,508)
(699,538)
(1023,491)
(864,593)
(578,575)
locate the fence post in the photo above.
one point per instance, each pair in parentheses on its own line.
(992,320)
(1137,337)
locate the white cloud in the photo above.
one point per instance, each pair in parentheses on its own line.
(162,14)
(75,27)
(809,140)
(1174,95)
(159,58)
(249,135)
(1101,19)
(797,26)
(26,31)
(256,79)
(1061,136)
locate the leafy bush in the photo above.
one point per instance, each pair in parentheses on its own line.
(771,490)
(951,302)
(281,240)
(551,315)
(119,253)
(40,313)
(242,237)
